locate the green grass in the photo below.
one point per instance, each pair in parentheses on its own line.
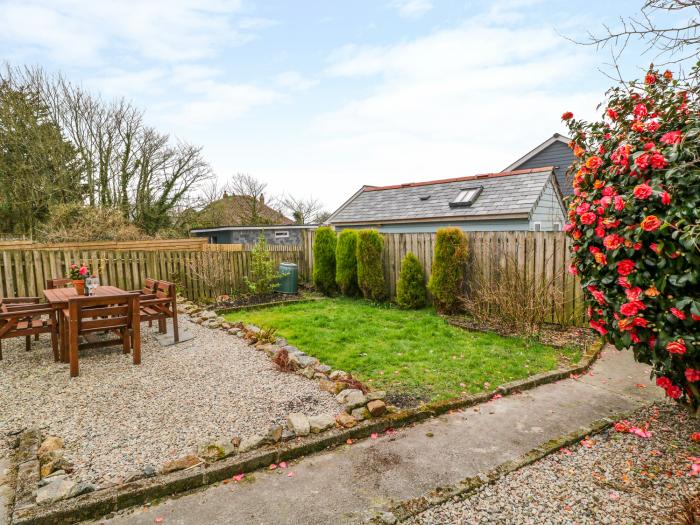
(408,353)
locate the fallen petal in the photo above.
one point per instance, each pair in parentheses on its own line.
(374,435)
(283,464)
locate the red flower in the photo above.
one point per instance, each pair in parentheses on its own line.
(642,191)
(633,294)
(597,294)
(640,111)
(588,218)
(613,241)
(598,326)
(678,313)
(625,267)
(676,347)
(658,161)
(672,137)
(640,322)
(622,281)
(600,258)
(583,208)
(674,392)
(693,376)
(650,223)
(632,308)
(653,126)
(612,114)
(664,382)
(665,198)
(650,79)
(573,270)
(668,75)
(567,115)
(642,162)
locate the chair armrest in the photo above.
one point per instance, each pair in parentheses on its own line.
(20,300)
(26,313)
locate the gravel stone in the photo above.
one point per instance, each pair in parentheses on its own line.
(298,423)
(117,418)
(620,479)
(320,423)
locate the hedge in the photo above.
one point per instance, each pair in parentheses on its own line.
(370,274)
(324,260)
(447,280)
(346,263)
(410,290)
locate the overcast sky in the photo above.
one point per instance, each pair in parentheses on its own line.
(320,97)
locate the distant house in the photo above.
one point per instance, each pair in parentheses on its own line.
(554,151)
(286,234)
(520,200)
(239,219)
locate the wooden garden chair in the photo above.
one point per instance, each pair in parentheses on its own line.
(57,283)
(112,313)
(160,306)
(19,320)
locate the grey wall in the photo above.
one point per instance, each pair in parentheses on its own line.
(548,211)
(251,236)
(556,154)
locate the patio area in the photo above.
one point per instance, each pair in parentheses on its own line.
(118,419)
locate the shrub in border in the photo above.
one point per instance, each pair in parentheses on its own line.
(370,274)
(410,290)
(449,262)
(324,259)
(346,263)
(634,224)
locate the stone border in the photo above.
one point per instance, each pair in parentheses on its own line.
(462,489)
(103,501)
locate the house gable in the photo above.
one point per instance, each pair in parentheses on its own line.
(555,152)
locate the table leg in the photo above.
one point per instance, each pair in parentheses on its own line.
(73,345)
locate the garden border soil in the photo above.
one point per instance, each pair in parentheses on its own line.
(101,502)
(233,309)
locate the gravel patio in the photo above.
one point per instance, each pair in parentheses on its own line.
(118,419)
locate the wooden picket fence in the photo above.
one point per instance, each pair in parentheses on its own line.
(200,270)
(539,255)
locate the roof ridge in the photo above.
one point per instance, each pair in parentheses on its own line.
(459,179)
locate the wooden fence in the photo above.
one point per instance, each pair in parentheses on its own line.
(203,270)
(538,255)
(199,269)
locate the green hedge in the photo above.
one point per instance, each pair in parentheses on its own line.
(410,290)
(346,263)
(324,260)
(447,280)
(370,274)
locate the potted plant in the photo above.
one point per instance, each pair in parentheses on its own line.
(78,274)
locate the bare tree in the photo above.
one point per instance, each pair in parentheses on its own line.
(673,39)
(302,210)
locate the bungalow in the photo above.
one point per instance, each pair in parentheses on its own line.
(520,200)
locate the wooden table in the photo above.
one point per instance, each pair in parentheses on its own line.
(58,299)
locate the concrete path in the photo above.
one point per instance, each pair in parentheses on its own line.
(345,485)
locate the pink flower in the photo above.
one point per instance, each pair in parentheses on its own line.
(658,161)
(613,241)
(619,203)
(598,326)
(692,376)
(83,270)
(676,347)
(672,137)
(640,111)
(588,218)
(678,313)
(625,267)
(642,191)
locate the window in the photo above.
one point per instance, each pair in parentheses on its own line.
(466,197)
(281,234)
(214,239)
(538,227)
(557,227)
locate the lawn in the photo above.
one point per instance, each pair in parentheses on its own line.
(411,354)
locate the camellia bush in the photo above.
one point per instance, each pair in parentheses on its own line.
(634,224)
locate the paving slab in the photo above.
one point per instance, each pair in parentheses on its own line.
(350,483)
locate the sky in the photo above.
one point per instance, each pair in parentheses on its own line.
(317,98)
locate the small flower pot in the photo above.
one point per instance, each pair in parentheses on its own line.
(79,285)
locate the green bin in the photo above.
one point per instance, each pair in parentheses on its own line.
(289,275)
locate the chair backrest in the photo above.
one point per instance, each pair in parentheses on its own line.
(104,312)
(57,283)
(165,289)
(149,286)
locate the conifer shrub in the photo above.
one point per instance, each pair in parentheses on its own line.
(370,274)
(324,260)
(447,279)
(346,263)
(410,290)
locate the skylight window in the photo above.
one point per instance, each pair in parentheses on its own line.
(466,197)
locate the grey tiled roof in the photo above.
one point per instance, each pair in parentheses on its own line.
(503,194)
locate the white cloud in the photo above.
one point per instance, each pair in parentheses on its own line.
(76,32)
(411,8)
(295,81)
